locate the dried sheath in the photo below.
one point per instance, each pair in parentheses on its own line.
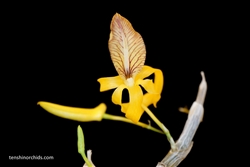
(184,143)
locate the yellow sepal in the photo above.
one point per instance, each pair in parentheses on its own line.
(108,83)
(152,98)
(75,113)
(134,110)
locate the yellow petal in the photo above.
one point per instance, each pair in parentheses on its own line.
(158,84)
(117,95)
(147,84)
(149,99)
(108,83)
(158,81)
(135,110)
(145,72)
(156,99)
(74,113)
(124,107)
(126,47)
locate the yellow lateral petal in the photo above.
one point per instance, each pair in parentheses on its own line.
(117,95)
(148,99)
(108,83)
(158,84)
(145,72)
(147,84)
(135,110)
(126,47)
(155,99)
(124,107)
(74,113)
(158,81)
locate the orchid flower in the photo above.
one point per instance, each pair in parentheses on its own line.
(128,55)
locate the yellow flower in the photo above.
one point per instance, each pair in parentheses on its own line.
(74,113)
(128,54)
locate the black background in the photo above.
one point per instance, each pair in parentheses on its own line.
(56,53)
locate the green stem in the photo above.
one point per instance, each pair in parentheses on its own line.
(118,118)
(164,129)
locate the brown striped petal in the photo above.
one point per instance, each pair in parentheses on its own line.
(126,47)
